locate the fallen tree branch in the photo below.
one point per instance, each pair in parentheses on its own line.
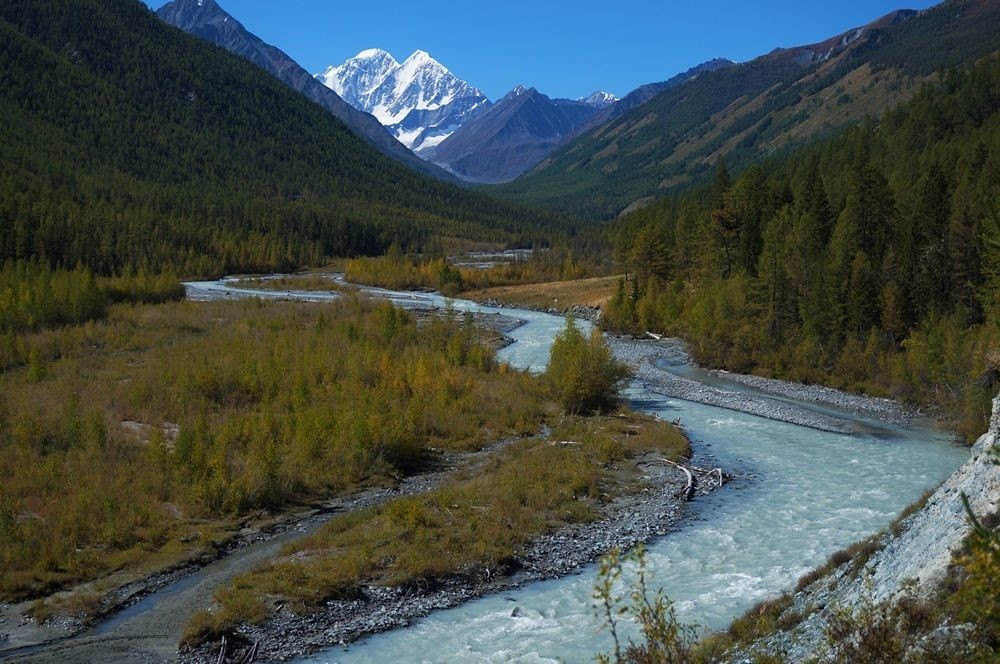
(689,490)
(222,650)
(251,654)
(723,477)
(691,486)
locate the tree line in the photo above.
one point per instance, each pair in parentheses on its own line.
(129,144)
(868,260)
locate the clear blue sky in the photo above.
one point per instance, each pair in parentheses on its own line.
(565,48)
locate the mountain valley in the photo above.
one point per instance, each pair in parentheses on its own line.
(376,362)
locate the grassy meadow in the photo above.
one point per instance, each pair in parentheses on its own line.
(139,436)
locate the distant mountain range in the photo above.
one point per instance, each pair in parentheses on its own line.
(206,19)
(451,123)
(667,136)
(597,155)
(422,105)
(524,127)
(406,110)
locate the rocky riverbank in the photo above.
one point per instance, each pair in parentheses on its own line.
(911,558)
(651,360)
(164,602)
(625,522)
(579,311)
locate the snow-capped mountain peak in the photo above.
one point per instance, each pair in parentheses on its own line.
(371,53)
(360,77)
(422,58)
(599,99)
(419,100)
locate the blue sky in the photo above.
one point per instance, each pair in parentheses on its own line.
(565,49)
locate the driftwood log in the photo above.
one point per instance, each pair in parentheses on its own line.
(692,482)
(246,658)
(222,650)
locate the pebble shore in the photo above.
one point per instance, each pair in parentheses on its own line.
(764,397)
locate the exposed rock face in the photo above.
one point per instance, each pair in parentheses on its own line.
(206,19)
(923,550)
(919,555)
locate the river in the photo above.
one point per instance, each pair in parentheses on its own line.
(800,495)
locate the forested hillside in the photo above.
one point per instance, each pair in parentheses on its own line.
(758,109)
(126,143)
(871,260)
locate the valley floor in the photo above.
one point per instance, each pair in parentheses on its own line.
(151,631)
(553,296)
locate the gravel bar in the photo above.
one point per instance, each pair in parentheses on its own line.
(643,355)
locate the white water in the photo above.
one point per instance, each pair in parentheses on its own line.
(801,495)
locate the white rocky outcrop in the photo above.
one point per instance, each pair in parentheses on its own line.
(916,557)
(923,550)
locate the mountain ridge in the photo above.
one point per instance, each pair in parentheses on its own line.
(512,136)
(755,109)
(647,91)
(208,20)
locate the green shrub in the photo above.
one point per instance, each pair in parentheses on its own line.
(665,640)
(582,372)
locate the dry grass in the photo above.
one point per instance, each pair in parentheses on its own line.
(239,408)
(294,282)
(478,522)
(560,295)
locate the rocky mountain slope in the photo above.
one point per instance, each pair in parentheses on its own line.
(206,19)
(419,100)
(514,135)
(757,108)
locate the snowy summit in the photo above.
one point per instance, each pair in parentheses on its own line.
(418,100)
(599,99)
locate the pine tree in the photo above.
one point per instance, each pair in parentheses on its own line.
(780,302)
(650,254)
(815,204)
(931,287)
(748,199)
(862,299)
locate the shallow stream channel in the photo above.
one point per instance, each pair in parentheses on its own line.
(799,494)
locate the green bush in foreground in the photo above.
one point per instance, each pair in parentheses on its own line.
(665,639)
(582,372)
